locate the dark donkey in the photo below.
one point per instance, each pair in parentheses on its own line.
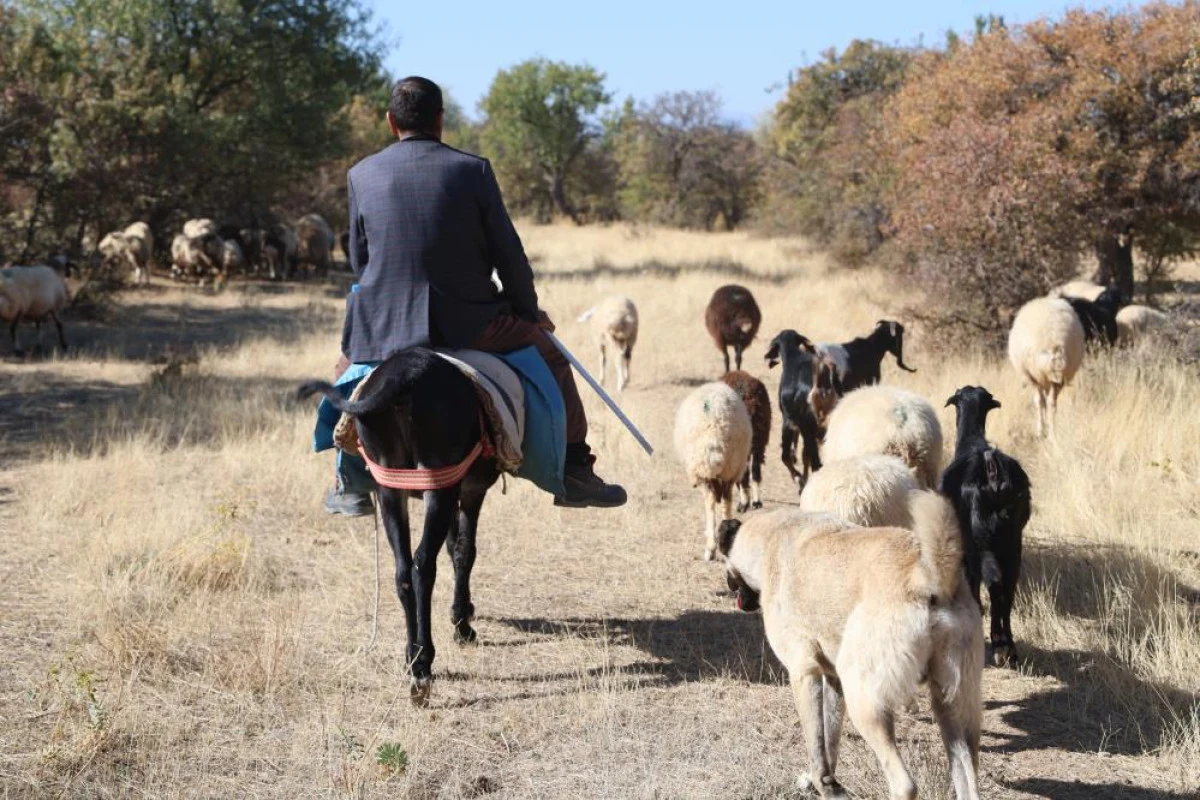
(416,410)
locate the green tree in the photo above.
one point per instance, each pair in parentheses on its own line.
(541,121)
(826,174)
(162,109)
(681,164)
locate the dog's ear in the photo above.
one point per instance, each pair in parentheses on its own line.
(726,533)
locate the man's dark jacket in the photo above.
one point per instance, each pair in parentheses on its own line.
(427,227)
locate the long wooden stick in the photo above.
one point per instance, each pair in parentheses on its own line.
(598,389)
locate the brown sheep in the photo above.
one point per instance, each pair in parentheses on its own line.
(732,319)
(826,391)
(758,402)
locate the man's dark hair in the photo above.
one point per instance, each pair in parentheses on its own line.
(415,104)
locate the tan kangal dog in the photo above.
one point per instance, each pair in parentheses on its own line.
(861,617)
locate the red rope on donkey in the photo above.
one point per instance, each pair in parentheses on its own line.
(424,480)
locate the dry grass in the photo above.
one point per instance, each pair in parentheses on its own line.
(179,618)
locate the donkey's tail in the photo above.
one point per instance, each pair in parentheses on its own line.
(388,394)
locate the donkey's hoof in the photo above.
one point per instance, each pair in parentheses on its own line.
(418,691)
(464,634)
(1001,654)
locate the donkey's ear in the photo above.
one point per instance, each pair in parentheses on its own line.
(726,533)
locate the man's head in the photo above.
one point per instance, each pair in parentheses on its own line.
(415,107)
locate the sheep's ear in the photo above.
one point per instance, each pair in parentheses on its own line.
(806,345)
(953,401)
(994,403)
(726,533)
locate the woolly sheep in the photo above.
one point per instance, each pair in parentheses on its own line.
(197,228)
(1133,321)
(755,397)
(232,259)
(314,243)
(195,256)
(732,319)
(133,246)
(1081,290)
(870,490)
(1046,347)
(614,324)
(32,293)
(713,436)
(888,421)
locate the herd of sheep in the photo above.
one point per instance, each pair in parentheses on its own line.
(201,251)
(864,446)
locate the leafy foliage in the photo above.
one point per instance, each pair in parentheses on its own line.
(541,128)
(115,110)
(680,164)
(1019,152)
(827,175)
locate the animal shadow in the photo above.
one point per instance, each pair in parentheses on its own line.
(695,646)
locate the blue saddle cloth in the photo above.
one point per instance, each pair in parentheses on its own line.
(545,447)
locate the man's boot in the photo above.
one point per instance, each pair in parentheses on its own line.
(584,488)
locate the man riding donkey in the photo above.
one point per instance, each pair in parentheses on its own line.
(427,228)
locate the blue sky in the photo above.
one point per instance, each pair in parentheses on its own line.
(742,50)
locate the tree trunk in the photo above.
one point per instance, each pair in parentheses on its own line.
(1114,252)
(558,193)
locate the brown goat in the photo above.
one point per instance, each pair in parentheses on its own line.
(732,319)
(826,391)
(758,402)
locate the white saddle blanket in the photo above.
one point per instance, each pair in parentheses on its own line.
(503,398)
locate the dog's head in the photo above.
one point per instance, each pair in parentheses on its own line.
(747,597)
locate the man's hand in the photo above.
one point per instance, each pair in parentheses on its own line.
(543,322)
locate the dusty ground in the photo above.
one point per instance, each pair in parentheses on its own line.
(178,617)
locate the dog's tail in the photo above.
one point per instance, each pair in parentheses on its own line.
(389,393)
(935,526)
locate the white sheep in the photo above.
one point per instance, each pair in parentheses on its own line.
(134,246)
(32,293)
(712,439)
(888,421)
(870,490)
(1133,321)
(614,324)
(314,243)
(232,259)
(194,256)
(197,228)
(1046,346)
(1081,290)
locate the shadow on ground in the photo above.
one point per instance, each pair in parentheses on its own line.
(694,646)
(658,269)
(1079,790)
(1101,705)
(47,413)
(148,330)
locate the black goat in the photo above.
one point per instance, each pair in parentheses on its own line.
(800,363)
(1099,316)
(858,360)
(990,493)
(418,410)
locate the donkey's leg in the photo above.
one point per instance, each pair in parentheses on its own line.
(440,508)
(393,507)
(462,553)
